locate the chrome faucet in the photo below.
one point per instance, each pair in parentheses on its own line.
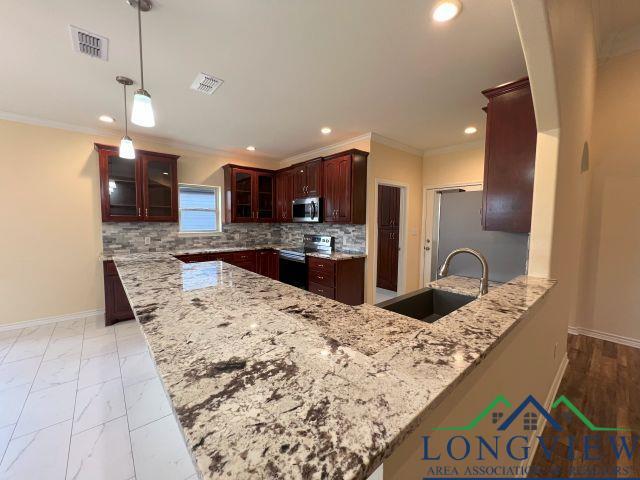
(484,282)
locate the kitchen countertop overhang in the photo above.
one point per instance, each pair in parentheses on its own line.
(270,381)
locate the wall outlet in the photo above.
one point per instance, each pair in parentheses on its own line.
(147,240)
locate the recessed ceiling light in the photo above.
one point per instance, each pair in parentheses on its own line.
(446,10)
(106,119)
(251,148)
(470,130)
(325,130)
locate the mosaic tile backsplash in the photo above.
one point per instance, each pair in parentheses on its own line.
(128,237)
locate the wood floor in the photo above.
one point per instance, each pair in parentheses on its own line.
(603,381)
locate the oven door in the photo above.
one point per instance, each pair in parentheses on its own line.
(293,272)
(307,210)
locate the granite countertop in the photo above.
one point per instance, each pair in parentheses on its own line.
(270,381)
(337,255)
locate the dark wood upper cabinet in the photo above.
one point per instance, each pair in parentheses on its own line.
(510,152)
(345,187)
(307,179)
(143,189)
(284,195)
(249,194)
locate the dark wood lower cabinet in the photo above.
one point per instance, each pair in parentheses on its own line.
(116,304)
(387,265)
(268,263)
(341,280)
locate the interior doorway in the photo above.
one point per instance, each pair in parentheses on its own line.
(431,217)
(388,241)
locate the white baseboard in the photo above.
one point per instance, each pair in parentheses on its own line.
(611,337)
(46,320)
(551,395)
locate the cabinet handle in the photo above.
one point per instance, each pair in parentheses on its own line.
(139,212)
(321,290)
(320,277)
(146,212)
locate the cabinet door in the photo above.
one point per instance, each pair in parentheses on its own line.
(160,188)
(299,181)
(284,195)
(264,198)
(314,178)
(338,189)
(387,265)
(117,306)
(120,188)
(388,206)
(510,151)
(242,196)
(330,175)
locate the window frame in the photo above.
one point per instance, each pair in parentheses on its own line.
(217,210)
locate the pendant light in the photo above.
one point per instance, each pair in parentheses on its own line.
(142,112)
(126,144)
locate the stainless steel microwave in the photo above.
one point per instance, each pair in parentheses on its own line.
(307,209)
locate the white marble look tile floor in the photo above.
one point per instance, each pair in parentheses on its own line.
(79,400)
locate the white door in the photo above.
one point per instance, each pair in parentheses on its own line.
(432,219)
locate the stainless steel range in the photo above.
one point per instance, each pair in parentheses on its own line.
(293,266)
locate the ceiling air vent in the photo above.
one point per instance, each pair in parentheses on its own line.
(89,43)
(206,83)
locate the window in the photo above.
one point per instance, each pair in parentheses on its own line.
(199,208)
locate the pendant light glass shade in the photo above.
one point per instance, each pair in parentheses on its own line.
(126,148)
(142,112)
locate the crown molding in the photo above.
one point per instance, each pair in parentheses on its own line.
(103,132)
(460,147)
(390,142)
(322,151)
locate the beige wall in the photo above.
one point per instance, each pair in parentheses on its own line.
(390,165)
(463,164)
(612,270)
(49,192)
(559,48)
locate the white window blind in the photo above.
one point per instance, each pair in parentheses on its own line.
(199,209)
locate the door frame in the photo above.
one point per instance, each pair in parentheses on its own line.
(402,232)
(429,219)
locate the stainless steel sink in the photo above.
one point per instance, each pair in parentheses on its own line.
(426,304)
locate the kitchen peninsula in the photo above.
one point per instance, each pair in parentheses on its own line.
(271,381)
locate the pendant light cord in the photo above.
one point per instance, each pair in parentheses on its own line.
(126,129)
(140,43)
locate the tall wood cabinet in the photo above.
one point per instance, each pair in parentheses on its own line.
(345,187)
(249,194)
(510,153)
(142,189)
(388,237)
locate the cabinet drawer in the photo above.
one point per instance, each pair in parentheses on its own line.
(321,278)
(223,257)
(251,266)
(248,256)
(322,290)
(322,265)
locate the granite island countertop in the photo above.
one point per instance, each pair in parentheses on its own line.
(336,255)
(270,381)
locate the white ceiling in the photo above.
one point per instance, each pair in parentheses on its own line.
(617,27)
(289,66)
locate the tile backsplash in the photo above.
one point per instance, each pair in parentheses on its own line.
(128,237)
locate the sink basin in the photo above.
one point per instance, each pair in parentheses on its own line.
(426,304)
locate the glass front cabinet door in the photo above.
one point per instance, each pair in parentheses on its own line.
(142,189)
